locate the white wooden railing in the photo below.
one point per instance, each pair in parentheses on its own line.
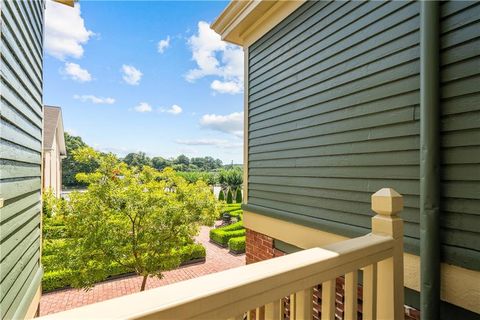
(261,287)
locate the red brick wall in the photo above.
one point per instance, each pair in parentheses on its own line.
(260,247)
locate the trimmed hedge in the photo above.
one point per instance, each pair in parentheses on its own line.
(221,237)
(237,245)
(237,214)
(221,196)
(56,279)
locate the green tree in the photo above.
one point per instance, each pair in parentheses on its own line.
(231,178)
(70,167)
(139,159)
(182,159)
(229,196)
(238,196)
(160,163)
(221,196)
(135,217)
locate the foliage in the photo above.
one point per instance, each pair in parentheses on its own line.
(238,196)
(136,217)
(193,176)
(221,237)
(231,227)
(139,159)
(221,196)
(238,214)
(229,197)
(55,278)
(54,232)
(70,167)
(237,244)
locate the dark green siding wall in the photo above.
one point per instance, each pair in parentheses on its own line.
(334,116)
(460,92)
(20,154)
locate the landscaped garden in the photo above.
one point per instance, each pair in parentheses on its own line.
(134,220)
(231,235)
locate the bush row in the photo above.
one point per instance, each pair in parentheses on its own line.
(221,236)
(55,279)
(237,245)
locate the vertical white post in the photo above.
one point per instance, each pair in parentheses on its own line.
(387,203)
(369,304)
(328,300)
(351,296)
(304,304)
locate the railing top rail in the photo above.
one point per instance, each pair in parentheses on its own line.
(231,292)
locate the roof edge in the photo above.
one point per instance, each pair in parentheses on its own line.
(243,22)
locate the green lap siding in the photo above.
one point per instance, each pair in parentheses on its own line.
(20,154)
(333,105)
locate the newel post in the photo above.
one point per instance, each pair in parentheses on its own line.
(387,203)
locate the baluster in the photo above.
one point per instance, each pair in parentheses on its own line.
(369,304)
(260,313)
(328,300)
(304,304)
(274,310)
(292,306)
(351,289)
(387,203)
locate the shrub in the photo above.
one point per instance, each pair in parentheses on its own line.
(229,196)
(55,279)
(237,245)
(54,232)
(221,196)
(192,252)
(52,246)
(221,237)
(238,197)
(231,227)
(237,214)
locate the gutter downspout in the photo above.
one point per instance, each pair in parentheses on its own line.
(429,160)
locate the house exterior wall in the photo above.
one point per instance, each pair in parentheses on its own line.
(20,156)
(333,110)
(52,169)
(333,116)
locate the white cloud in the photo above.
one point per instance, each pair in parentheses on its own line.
(174,109)
(210,142)
(131,75)
(230,87)
(94,99)
(65,31)
(143,107)
(163,45)
(216,58)
(231,123)
(75,72)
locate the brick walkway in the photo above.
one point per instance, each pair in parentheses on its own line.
(218,259)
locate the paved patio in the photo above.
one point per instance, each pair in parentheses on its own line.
(218,259)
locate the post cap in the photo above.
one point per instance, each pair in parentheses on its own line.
(387,202)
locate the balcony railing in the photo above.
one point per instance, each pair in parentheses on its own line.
(262,286)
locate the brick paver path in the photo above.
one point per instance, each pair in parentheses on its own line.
(218,259)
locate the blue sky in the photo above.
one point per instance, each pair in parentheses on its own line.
(145,76)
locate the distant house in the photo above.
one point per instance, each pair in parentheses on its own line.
(53,149)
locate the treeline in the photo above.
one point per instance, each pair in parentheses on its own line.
(180,163)
(208,169)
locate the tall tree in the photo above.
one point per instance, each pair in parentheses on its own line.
(136,217)
(70,167)
(139,159)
